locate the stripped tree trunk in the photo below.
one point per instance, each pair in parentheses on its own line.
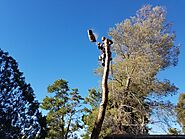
(103,104)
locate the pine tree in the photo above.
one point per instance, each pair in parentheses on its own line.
(19,114)
(64,108)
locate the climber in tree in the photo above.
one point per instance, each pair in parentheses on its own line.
(102,48)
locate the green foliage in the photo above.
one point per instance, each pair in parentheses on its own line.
(90,112)
(64,108)
(180,109)
(19,114)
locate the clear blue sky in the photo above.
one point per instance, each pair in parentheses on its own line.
(48,38)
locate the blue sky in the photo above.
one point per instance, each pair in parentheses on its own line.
(49,39)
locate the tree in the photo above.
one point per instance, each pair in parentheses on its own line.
(90,112)
(180,109)
(63,117)
(143,46)
(19,114)
(105,91)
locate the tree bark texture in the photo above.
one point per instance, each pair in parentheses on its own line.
(103,104)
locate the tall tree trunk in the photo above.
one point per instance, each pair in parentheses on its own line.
(103,104)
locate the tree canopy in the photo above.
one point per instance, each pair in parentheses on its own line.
(144,45)
(64,108)
(19,114)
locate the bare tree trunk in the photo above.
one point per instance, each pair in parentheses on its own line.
(103,104)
